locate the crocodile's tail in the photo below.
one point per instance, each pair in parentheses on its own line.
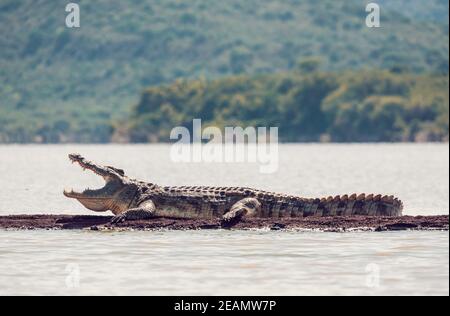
(371,205)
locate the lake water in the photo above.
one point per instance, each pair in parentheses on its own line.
(260,262)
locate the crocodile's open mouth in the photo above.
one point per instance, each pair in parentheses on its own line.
(116,195)
(93,198)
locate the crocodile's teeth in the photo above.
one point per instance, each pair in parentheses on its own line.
(69,191)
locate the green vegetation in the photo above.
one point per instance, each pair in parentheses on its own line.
(349,106)
(74,85)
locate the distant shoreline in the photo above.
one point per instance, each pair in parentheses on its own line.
(281,143)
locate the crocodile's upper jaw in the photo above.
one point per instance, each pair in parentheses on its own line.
(114,196)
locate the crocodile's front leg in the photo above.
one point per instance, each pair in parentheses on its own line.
(244,208)
(144,211)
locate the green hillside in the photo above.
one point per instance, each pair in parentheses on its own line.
(65,85)
(364,106)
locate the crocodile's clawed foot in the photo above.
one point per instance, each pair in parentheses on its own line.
(231,219)
(244,208)
(119,219)
(145,211)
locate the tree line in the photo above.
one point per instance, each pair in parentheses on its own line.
(363,106)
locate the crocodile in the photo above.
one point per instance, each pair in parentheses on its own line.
(130,199)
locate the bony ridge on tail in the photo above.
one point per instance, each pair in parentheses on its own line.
(130,199)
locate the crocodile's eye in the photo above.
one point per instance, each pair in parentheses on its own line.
(119,171)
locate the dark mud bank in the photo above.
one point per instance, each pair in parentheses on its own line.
(331,224)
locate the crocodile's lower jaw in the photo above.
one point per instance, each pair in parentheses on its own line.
(105,198)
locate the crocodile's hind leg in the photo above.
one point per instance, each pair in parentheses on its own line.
(144,211)
(244,208)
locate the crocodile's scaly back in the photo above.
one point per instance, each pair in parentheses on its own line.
(202,201)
